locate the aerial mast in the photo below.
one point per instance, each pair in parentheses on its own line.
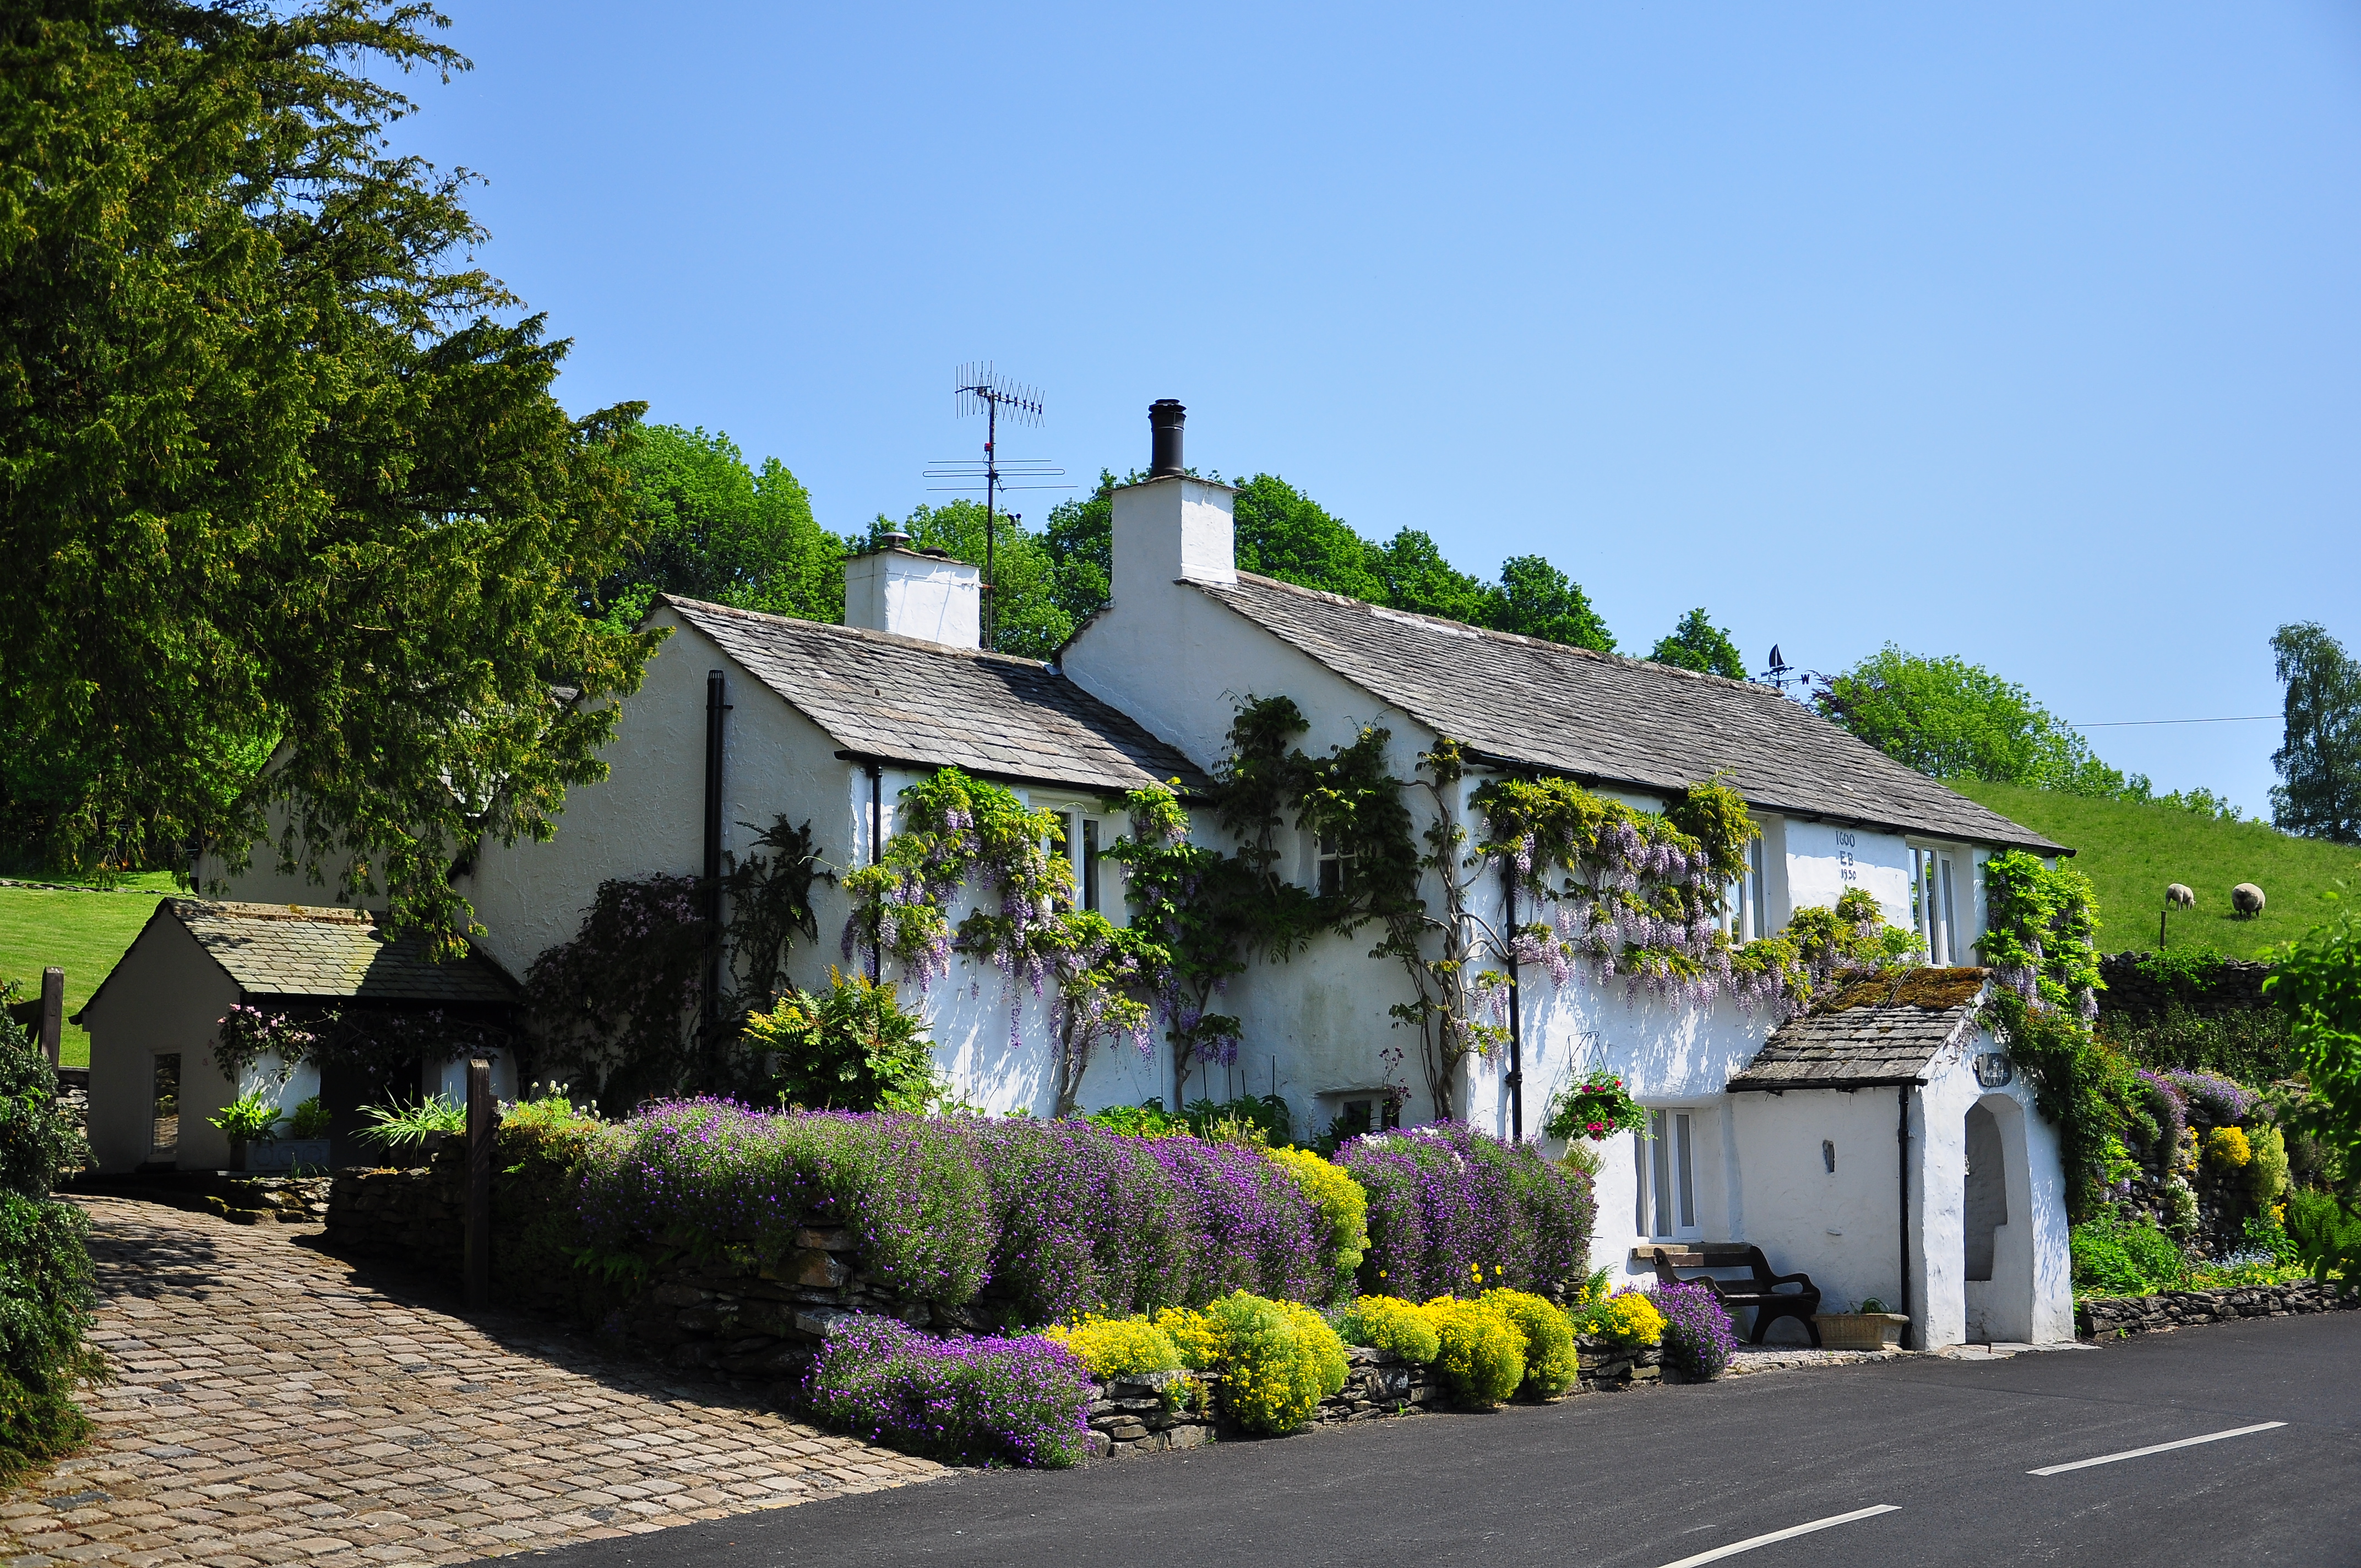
(979,389)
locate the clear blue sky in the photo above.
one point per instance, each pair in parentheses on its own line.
(2025,333)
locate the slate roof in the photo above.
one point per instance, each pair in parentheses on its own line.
(1609,721)
(1874,1033)
(295,950)
(903,701)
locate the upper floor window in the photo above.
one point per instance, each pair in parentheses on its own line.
(1079,849)
(1743,916)
(1937,886)
(1335,866)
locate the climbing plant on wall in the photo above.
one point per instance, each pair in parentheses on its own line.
(958,830)
(2038,938)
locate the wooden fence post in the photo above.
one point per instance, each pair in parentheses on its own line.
(479,1183)
(53,1012)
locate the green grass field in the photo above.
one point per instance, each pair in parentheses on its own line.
(82,932)
(2131,852)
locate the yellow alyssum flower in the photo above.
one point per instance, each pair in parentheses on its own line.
(2228,1146)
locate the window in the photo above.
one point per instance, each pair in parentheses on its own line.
(1742,916)
(1078,844)
(1667,1156)
(165,1145)
(1335,867)
(1934,899)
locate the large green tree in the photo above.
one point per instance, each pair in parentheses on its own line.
(1697,643)
(710,527)
(2319,791)
(1284,533)
(1954,719)
(294,518)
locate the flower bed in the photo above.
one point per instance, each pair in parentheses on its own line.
(1452,1211)
(965,1399)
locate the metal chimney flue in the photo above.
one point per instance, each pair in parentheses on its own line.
(1164,419)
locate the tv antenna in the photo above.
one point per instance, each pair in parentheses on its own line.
(980,390)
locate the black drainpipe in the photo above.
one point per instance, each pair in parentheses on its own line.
(714,709)
(876,850)
(1516,1016)
(1902,1142)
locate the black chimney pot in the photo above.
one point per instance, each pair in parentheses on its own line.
(1164,418)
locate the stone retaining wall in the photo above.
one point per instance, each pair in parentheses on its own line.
(2112,1316)
(242,1199)
(2237,985)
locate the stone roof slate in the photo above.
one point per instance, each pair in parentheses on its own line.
(901,700)
(1865,1041)
(1612,720)
(278,949)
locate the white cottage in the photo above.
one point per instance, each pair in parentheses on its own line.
(1923,1176)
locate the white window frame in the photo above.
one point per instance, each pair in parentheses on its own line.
(1328,852)
(1084,835)
(1743,918)
(1667,1207)
(1937,889)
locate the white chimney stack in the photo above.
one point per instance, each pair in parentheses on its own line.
(1169,525)
(914,593)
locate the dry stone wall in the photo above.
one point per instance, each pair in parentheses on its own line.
(2113,1316)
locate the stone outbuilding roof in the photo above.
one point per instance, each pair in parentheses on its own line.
(908,703)
(1882,1031)
(298,951)
(1614,721)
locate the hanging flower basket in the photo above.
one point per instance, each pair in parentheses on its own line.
(1597,1108)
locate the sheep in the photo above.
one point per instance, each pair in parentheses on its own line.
(2247,899)
(2181,897)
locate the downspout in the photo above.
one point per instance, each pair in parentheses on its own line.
(1516,1016)
(877,852)
(1902,1144)
(714,709)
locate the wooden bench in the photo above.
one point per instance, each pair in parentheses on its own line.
(1770,1302)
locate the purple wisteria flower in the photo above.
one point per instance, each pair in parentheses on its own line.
(1697,1342)
(969,1401)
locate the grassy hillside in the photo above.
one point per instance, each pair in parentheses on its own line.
(2131,852)
(82,932)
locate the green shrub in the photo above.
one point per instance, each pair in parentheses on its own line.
(1392,1324)
(1343,1208)
(852,1047)
(252,1118)
(2266,1174)
(392,1128)
(45,1278)
(2113,1257)
(2321,1228)
(311,1119)
(1482,1359)
(1279,1360)
(1148,1121)
(1550,1365)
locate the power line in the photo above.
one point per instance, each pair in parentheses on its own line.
(2123,723)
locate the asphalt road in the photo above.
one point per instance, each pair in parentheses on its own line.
(1647,1479)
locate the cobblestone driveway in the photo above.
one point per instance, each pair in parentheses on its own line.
(276,1404)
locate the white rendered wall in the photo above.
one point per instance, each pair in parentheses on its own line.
(1826,862)
(164,995)
(1841,1228)
(2033,1262)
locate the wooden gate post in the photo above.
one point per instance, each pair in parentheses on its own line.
(479,1183)
(53,1012)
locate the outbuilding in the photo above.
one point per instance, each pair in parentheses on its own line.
(156,1019)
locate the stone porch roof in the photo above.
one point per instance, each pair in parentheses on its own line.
(1876,1031)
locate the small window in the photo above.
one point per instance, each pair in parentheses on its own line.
(1667,1208)
(1090,867)
(1335,867)
(165,1144)
(1934,907)
(1741,900)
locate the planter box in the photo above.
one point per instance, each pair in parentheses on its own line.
(1860,1331)
(293,1154)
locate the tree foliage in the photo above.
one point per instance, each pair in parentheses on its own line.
(2319,793)
(1284,533)
(288,485)
(1949,718)
(710,527)
(1697,643)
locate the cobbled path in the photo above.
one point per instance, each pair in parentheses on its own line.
(273,1405)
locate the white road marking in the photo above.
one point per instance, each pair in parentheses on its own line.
(1750,1542)
(2155,1447)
